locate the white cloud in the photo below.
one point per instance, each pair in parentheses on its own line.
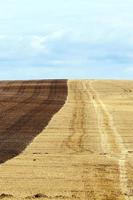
(39,43)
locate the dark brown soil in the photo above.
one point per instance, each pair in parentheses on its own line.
(25,109)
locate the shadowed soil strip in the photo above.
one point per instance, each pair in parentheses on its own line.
(26,109)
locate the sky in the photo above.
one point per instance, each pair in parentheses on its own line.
(73,39)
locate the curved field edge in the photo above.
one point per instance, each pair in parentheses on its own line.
(25,109)
(79,153)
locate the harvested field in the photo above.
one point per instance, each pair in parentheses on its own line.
(69,140)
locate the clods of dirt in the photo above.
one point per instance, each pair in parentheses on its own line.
(37,196)
(3,195)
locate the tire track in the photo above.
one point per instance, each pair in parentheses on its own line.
(122,150)
(79,99)
(77,125)
(105,146)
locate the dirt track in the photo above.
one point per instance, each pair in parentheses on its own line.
(84,153)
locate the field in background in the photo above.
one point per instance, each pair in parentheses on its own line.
(68,140)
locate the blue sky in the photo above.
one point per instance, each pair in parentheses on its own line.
(42,39)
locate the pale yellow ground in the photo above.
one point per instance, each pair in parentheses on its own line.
(85,152)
